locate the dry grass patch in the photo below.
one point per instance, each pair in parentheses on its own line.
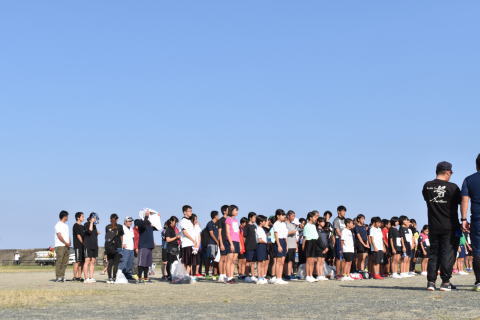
(22,298)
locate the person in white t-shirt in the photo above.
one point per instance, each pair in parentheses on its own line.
(376,246)
(126,263)
(62,246)
(261,235)
(280,232)
(348,249)
(196,257)
(187,240)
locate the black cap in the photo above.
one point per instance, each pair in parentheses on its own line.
(444,166)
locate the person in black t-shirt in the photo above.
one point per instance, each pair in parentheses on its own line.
(113,246)
(250,235)
(222,242)
(442,198)
(78,235)
(90,242)
(172,239)
(212,243)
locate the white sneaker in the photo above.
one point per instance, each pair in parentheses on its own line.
(281,281)
(412,273)
(396,276)
(310,279)
(93,280)
(193,280)
(463,273)
(221,278)
(322,278)
(254,279)
(272,280)
(345,278)
(405,275)
(424,273)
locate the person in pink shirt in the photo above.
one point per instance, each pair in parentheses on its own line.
(233,241)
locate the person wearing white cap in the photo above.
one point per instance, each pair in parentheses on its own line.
(126,264)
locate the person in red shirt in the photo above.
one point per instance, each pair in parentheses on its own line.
(242,261)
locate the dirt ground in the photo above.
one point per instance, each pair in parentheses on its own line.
(33,295)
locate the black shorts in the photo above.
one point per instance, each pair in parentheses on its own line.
(241,256)
(361,249)
(251,255)
(79,255)
(91,253)
(290,257)
(348,256)
(261,252)
(236,247)
(270,251)
(420,253)
(164,255)
(283,253)
(310,249)
(377,257)
(187,254)
(224,252)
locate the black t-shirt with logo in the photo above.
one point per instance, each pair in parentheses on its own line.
(250,234)
(78,230)
(90,240)
(394,234)
(442,200)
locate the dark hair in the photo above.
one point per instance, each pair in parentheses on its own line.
(328,212)
(172,219)
(393,221)
(478,162)
(261,219)
(114,216)
(186,207)
(375,220)
(213,214)
(224,209)
(301,220)
(63,214)
(279,212)
(385,222)
(231,208)
(320,219)
(425,227)
(78,215)
(310,215)
(243,220)
(272,219)
(402,219)
(290,212)
(348,220)
(341,208)
(359,217)
(251,214)
(192,217)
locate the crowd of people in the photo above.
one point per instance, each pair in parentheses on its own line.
(282,247)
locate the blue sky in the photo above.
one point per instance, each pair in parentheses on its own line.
(113,106)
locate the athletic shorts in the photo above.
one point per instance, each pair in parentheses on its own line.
(224,252)
(278,254)
(377,257)
(290,257)
(421,255)
(462,253)
(348,256)
(261,252)
(236,247)
(338,249)
(270,251)
(310,248)
(251,255)
(79,255)
(187,254)
(164,255)
(398,250)
(361,249)
(91,253)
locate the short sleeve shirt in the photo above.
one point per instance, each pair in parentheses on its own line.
(281,229)
(211,226)
(338,223)
(234,229)
(62,228)
(347,238)
(78,230)
(291,239)
(186,225)
(471,188)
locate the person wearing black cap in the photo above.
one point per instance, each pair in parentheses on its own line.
(471,194)
(442,198)
(113,247)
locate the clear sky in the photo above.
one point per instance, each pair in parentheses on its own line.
(113,106)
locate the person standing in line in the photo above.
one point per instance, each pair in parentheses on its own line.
(362,244)
(113,247)
(126,262)
(90,242)
(172,237)
(339,225)
(212,244)
(196,252)
(233,242)
(442,198)
(62,246)
(250,234)
(292,247)
(471,195)
(280,233)
(222,243)
(78,235)
(145,246)
(188,241)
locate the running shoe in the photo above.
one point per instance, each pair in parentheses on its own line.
(476,287)
(431,286)
(377,277)
(463,273)
(447,287)
(396,276)
(281,282)
(424,273)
